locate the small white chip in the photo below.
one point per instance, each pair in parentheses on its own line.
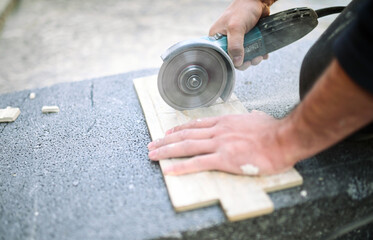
(50,109)
(9,114)
(249,169)
(303,193)
(32,95)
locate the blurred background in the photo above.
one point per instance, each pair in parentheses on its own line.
(44,42)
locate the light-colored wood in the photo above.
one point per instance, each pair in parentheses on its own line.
(50,109)
(9,114)
(241,197)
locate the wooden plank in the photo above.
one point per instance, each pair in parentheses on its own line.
(241,197)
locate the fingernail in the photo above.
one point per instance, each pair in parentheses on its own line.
(169,131)
(237,61)
(151,146)
(153,154)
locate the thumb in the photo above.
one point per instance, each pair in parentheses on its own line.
(235,38)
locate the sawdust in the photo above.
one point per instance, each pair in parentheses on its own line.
(249,169)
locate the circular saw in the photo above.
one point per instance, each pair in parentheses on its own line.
(195,73)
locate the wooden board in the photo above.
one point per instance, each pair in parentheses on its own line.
(241,197)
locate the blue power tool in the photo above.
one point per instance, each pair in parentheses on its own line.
(195,73)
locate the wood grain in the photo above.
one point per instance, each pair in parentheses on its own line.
(241,197)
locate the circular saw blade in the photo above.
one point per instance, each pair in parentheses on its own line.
(195,77)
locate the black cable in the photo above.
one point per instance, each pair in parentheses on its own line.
(351,226)
(327,11)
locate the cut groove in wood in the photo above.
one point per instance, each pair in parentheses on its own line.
(241,197)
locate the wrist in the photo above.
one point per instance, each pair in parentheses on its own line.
(288,138)
(301,135)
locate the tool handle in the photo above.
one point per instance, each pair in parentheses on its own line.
(275,31)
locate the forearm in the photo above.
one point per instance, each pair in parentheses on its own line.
(333,109)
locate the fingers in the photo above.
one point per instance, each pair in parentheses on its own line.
(204,133)
(235,31)
(235,38)
(182,149)
(195,164)
(202,163)
(217,28)
(244,66)
(253,62)
(256,60)
(198,123)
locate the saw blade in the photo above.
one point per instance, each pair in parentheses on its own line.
(195,77)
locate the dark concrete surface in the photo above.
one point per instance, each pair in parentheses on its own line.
(83,173)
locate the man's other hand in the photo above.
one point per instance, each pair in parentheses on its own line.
(239,144)
(239,18)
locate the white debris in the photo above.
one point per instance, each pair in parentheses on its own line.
(50,109)
(9,114)
(303,193)
(32,95)
(249,169)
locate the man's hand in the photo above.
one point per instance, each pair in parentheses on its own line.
(239,18)
(256,143)
(240,144)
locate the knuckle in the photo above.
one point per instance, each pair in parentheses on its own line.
(228,149)
(195,122)
(187,144)
(223,129)
(160,142)
(162,151)
(165,150)
(214,133)
(234,26)
(235,49)
(214,145)
(183,134)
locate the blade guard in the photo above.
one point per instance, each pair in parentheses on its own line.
(180,47)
